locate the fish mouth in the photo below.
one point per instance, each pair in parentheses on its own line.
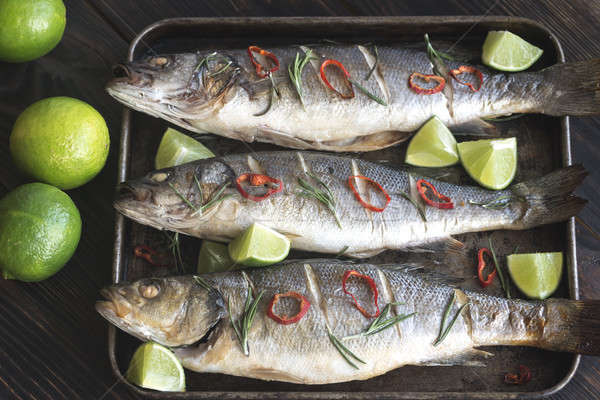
(127,191)
(114,306)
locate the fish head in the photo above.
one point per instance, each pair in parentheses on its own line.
(171,198)
(172,311)
(175,87)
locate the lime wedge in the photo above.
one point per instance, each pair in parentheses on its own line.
(213,257)
(432,146)
(506,51)
(259,246)
(491,162)
(155,367)
(536,274)
(176,148)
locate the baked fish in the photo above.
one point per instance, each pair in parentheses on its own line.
(182,311)
(311,198)
(221,92)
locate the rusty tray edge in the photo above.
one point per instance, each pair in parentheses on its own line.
(119,235)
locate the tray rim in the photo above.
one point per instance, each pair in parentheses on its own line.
(123,167)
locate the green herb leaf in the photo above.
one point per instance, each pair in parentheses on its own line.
(496,204)
(342,251)
(244,323)
(324,196)
(414,203)
(382,322)
(295,71)
(504,282)
(200,281)
(369,94)
(182,197)
(444,332)
(343,350)
(225,68)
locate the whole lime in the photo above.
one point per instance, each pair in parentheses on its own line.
(40,228)
(30,28)
(61,141)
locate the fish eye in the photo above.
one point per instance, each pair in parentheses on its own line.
(149,291)
(159,177)
(159,61)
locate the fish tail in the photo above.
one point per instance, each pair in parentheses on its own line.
(550,198)
(572,326)
(575,89)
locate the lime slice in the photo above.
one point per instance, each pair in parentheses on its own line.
(155,367)
(536,274)
(506,51)
(259,246)
(176,148)
(491,162)
(432,146)
(213,257)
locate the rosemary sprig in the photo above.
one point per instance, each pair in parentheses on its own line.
(225,68)
(444,331)
(185,200)
(200,281)
(369,94)
(382,322)
(199,188)
(242,326)
(295,71)
(343,350)
(374,64)
(503,282)
(433,53)
(414,203)
(217,198)
(175,247)
(204,61)
(496,204)
(324,196)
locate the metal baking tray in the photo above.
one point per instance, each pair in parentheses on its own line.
(544,145)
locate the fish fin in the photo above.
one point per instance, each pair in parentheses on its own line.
(549,198)
(572,326)
(476,127)
(575,89)
(471,358)
(363,254)
(446,244)
(371,142)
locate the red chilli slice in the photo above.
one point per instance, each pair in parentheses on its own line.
(421,90)
(439,201)
(522,377)
(338,65)
(361,201)
(258,180)
(285,320)
(481,267)
(371,284)
(466,69)
(150,255)
(260,70)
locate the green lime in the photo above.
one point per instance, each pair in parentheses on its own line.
(155,367)
(40,228)
(176,148)
(61,141)
(213,257)
(259,246)
(490,162)
(432,146)
(536,274)
(30,28)
(506,51)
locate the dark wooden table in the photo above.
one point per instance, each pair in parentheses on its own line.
(53,344)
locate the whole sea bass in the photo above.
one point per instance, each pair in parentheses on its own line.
(221,92)
(202,199)
(179,311)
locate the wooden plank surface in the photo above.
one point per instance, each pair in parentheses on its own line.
(52,343)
